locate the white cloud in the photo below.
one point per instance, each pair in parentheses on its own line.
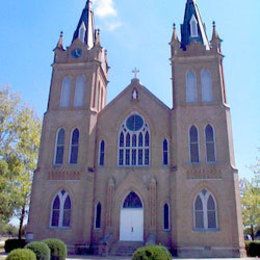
(113,25)
(105,8)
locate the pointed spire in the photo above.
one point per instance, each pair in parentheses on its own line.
(60,41)
(215,40)
(174,34)
(193,28)
(85,30)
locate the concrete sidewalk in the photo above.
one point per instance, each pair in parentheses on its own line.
(129,258)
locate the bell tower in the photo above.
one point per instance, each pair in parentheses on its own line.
(203,153)
(66,162)
(80,72)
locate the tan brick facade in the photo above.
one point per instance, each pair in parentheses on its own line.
(176,184)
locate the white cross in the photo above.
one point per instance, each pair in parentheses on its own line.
(135,72)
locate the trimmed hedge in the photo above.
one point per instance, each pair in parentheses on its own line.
(21,254)
(152,253)
(11,244)
(58,249)
(40,249)
(253,248)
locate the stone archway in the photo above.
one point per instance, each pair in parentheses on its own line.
(132,219)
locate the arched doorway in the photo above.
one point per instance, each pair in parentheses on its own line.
(132,219)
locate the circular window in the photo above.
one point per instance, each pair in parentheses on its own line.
(134,123)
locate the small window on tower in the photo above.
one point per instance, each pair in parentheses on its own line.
(82,32)
(193,27)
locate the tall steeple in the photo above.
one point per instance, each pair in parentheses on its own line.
(85,30)
(193,28)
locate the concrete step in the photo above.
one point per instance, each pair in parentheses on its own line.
(125,248)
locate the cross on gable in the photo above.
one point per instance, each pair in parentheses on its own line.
(135,72)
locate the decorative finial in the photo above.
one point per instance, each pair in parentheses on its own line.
(174,26)
(214,24)
(60,42)
(135,72)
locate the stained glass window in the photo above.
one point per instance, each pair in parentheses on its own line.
(132,201)
(98,216)
(102,153)
(59,149)
(210,145)
(74,149)
(166,217)
(194,145)
(205,211)
(134,142)
(61,210)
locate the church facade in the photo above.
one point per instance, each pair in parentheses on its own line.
(134,171)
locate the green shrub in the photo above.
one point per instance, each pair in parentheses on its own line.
(11,244)
(40,249)
(253,248)
(58,249)
(21,254)
(152,253)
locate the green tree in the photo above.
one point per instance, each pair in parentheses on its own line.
(251,201)
(19,143)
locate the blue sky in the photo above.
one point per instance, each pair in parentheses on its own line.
(136,34)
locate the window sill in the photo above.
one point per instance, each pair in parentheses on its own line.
(210,230)
(61,228)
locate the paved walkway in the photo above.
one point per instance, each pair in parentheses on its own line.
(129,258)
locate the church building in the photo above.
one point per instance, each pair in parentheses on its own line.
(112,177)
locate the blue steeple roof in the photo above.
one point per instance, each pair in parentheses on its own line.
(86,19)
(192,15)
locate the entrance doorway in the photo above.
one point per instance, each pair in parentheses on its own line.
(132,219)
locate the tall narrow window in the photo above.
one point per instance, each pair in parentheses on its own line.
(102,153)
(55,212)
(191,87)
(79,91)
(74,148)
(165,152)
(210,144)
(205,211)
(194,145)
(134,142)
(65,92)
(61,210)
(166,217)
(193,27)
(82,32)
(206,85)
(59,148)
(98,216)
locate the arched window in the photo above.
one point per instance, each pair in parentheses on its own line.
(193,27)
(65,92)
(61,210)
(205,211)
(191,87)
(102,153)
(166,217)
(194,145)
(98,216)
(165,152)
(206,84)
(134,142)
(79,91)
(82,32)
(210,144)
(74,147)
(59,147)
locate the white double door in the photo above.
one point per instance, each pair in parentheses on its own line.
(132,224)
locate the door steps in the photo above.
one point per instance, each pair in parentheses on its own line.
(125,248)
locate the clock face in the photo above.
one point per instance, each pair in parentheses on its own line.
(76,53)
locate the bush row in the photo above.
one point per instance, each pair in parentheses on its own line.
(49,249)
(253,248)
(153,253)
